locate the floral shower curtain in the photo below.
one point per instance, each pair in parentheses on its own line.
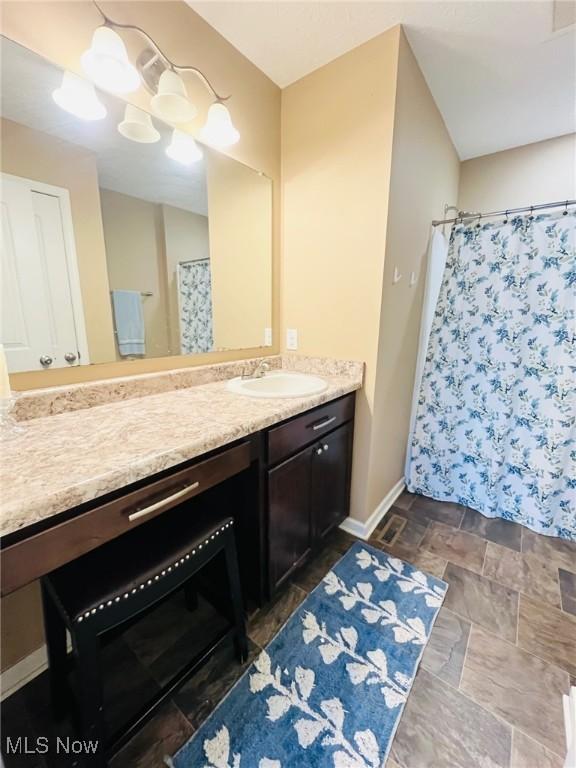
(195,303)
(495,425)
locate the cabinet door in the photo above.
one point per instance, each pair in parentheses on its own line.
(289,528)
(331,480)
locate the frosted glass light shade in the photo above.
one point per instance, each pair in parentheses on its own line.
(171,102)
(183,148)
(138,126)
(219,131)
(106,63)
(78,97)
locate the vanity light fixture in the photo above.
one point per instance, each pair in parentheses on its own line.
(219,131)
(78,97)
(107,64)
(183,148)
(138,126)
(171,102)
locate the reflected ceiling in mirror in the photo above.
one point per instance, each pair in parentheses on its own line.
(122,249)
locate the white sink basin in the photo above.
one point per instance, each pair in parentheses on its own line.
(279,384)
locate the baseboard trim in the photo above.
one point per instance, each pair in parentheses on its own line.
(23,671)
(364,530)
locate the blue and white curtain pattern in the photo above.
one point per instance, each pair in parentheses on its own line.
(195,303)
(495,420)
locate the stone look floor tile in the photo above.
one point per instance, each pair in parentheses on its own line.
(405,500)
(163,735)
(516,685)
(421,559)
(523,572)
(313,573)
(409,538)
(502,532)
(340,541)
(423,510)
(267,622)
(482,601)
(456,546)
(547,633)
(211,683)
(441,727)
(559,552)
(527,753)
(568,590)
(444,654)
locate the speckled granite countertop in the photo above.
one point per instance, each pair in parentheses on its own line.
(62,460)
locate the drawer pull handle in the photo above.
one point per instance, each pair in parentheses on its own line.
(163,502)
(322,424)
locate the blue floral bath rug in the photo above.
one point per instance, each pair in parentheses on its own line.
(329,689)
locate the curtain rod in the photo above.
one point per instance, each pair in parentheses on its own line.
(465,216)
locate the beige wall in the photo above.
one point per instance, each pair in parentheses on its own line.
(239,204)
(134,236)
(186,238)
(542,172)
(337,126)
(61,31)
(38,156)
(425,169)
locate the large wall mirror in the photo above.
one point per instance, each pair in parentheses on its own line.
(116,249)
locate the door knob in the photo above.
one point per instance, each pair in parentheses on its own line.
(318,451)
(70,357)
(46,360)
(325,446)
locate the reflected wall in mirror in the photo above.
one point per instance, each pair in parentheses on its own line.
(115,249)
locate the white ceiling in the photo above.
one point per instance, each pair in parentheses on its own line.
(140,170)
(499,73)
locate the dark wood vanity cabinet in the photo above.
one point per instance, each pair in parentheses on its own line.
(287,486)
(309,489)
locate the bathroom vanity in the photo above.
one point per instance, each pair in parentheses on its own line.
(82,477)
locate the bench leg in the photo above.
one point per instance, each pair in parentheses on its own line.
(55,632)
(87,646)
(241,640)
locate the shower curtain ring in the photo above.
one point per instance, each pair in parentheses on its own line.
(506,217)
(531,217)
(565,209)
(479,221)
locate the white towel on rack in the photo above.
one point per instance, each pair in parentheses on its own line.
(129,320)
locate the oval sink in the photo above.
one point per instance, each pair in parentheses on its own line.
(278,384)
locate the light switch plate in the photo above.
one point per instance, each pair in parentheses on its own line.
(267,337)
(291,338)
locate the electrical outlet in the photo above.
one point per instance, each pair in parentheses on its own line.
(291,338)
(267,337)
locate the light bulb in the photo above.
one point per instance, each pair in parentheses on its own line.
(171,102)
(106,63)
(138,126)
(183,148)
(78,97)
(219,131)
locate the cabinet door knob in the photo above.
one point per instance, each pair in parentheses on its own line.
(318,451)
(325,446)
(70,357)
(46,360)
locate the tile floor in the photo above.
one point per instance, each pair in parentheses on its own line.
(488,691)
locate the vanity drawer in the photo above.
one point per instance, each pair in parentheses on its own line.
(37,555)
(302,430)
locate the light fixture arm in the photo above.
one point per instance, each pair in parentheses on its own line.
(168,62)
